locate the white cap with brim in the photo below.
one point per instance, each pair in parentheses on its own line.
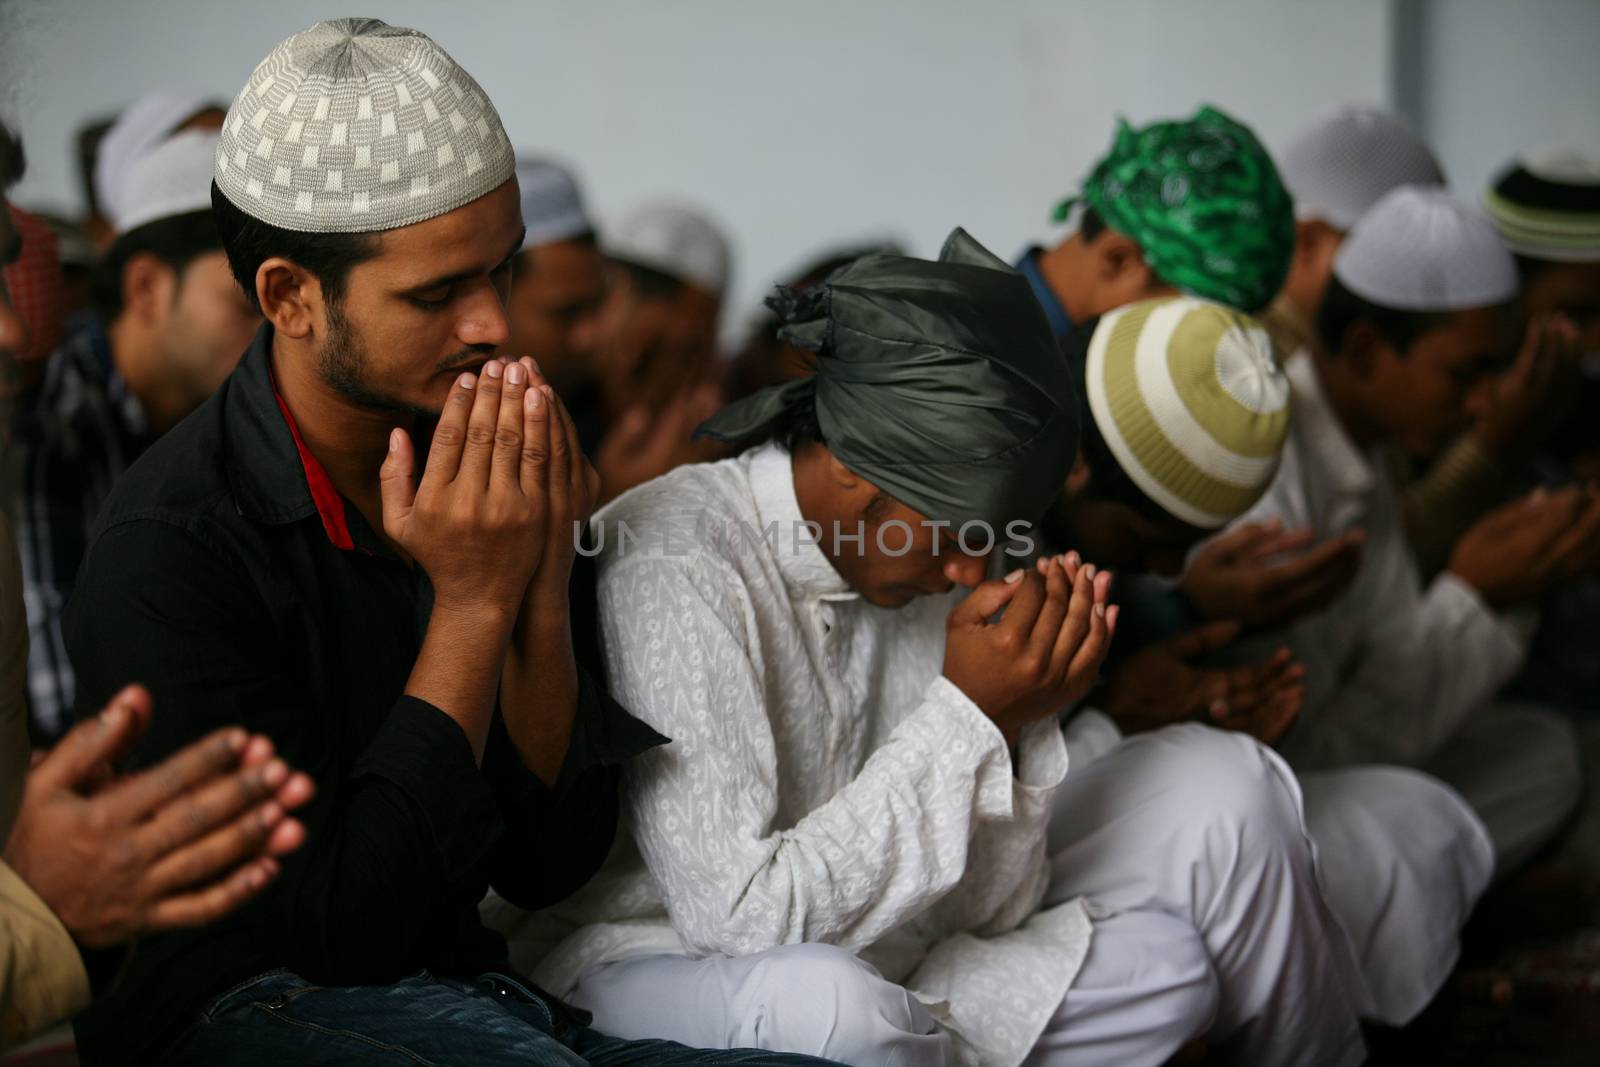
(1421,249)
(552,206)
(173,178)
(142,125)
(1340,165)
(676,240)
(354,126)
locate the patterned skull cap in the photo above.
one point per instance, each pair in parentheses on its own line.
(1205,203)
(353,126)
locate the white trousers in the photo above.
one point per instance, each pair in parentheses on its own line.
(1518,765)
(1402,859)
(1189,842)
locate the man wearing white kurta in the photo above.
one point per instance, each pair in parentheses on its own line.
(1398,673)
(842,851)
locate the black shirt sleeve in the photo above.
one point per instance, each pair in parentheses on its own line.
(556,839)
(394,839)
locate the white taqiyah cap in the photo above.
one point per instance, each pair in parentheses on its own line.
(1340,165)
(353,126)
(1421,249)
(142,125)
(552,206)
(676,240)
(173,178)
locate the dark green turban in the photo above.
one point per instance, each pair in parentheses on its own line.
(938,382)
(1203,200)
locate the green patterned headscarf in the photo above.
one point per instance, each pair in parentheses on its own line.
(1203,200)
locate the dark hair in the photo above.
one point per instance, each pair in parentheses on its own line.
(523,260)
(1107,479)
(1341,309)
(87,147)
(176,241)
(652,284)
(249,242)
(13,161)
(798,427)
(1090,224)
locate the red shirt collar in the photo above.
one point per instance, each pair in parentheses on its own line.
(330,505)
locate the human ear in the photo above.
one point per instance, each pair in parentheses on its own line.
(1365,349)
(148,286)
(1078,476)
(291,297)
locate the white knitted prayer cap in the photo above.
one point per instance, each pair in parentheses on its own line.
(173,178)
(1421,249)
(142,125)
(677,240)
(1340,165)
(353,126)
(552,206)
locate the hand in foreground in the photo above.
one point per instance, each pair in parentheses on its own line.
(180,844)
(478,520)
(1042,654)
(1516,553)
(645,445)
(1527,399)
(1160,685)
(1262,575)
(571,492)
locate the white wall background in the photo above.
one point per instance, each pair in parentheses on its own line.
(1498,77)
(806,124)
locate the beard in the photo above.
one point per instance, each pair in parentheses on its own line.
(343,364)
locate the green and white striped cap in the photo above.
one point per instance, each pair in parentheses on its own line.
(1190,399)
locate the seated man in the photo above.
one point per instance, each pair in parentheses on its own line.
(1412,326)
(1403,858)
(92,861)
(172,325)
(273,562)
(1184,205)
(867,792)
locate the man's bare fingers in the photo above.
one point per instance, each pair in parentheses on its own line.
(95,745)
(566,456)
(535,442)
(1243,540)
(1047,627)
(977,607)
(1208,638)
(1079,625)
(1092,649)
(1282,544)
(478,451)
(1331,553)
(1024,609)
(142,794)
(505,464)
(296,792)
(201,859)
(189,818)
(450,434)
(536,376)
(206,905)
(285,837)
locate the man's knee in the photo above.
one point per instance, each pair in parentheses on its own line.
(1227,782)
(1552,743)
(823,1000)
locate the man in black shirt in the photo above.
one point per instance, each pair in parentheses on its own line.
(276,561)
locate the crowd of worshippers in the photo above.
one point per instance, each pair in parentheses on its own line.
(440,653)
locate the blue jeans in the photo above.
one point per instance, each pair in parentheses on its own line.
(280,1019)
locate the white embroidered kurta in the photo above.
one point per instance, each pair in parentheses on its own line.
(824,782)
(1393,669)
